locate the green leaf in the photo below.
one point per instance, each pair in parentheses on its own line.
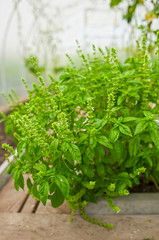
(43,191)
(156,175)
(21,146)
(57,198)
(53,187)
(53,147)
(114,110)
(83,138)
(120,119)
(104,141)
(18,180)
(29,184)
(147,113)
(147,174)
(89,185)
(123,175)
(86,159)
(131,162)
(135,81)
(131,72)
(125,130)
(11,168)
(35,191)
(128,119)
(114,134)
(118,150)
(93,142)
(99,151)
(133,93)
(141,126)
(153,126)
(134,145)
(149,160)
(136,180)
(88,171)
(21,181)
(1,120)
(15,177)
(99,123)
(90,153)
(63,185)
(154,132)
(121,185)
(9,128)
(4,116)
(101,170)
(146,154)
(64,76)
(68,156)
(114,2)
(65,146)
(114,120)
(16,185)
(121,99)
(75,152)
(40,167)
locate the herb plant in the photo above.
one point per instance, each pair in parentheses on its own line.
(91,133)
(151,15)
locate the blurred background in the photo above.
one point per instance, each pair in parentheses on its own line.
(48,29)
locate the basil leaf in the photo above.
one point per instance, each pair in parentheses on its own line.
(141,126)
(75,152)
(63,185)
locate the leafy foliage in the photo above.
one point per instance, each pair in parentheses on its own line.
(152,13)
(90,134)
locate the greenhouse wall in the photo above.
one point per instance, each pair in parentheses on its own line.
(49,29)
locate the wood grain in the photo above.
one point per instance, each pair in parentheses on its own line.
(29,205)
(58,227)
(10,199)
(48,209)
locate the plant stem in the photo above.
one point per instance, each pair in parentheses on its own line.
(92,220)
(154,181)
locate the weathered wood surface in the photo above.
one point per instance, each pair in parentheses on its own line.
(48,209)
(10,199)
(18,221)
(29,205)
(57,227)
(16,201)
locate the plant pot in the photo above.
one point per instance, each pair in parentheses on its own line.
(133,204)
(4,177)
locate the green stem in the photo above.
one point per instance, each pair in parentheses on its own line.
(154,181)
(92,220)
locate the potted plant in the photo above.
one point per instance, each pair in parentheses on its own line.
(91,133)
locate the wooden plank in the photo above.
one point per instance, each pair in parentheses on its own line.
(30,205)
(48,209)
(58,227)
(10,199)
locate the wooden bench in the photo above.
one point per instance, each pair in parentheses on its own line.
(24,218)
(12,201)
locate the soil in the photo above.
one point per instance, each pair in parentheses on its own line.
(4,139)
(144,188)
